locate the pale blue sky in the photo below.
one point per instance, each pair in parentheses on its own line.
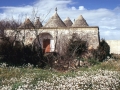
(102,13)
(90,4)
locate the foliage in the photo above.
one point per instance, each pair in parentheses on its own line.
(18,54)
(103,50)
(25,78)
(11,24)
(76,46)
(93,61)
(50,58)
(115,56)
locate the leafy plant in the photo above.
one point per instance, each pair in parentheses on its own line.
(18,54)
(76,46)
(102,51)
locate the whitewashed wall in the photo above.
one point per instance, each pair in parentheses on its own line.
(91,34)
(114,46)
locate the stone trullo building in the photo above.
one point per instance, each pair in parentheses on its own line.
(55,34)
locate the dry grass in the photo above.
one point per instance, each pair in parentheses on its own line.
(111,64)
(28,77)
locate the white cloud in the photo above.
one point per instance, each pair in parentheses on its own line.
(82,8)
(107,20)
(73,8)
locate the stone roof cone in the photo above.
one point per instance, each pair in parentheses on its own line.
(27,24)
(80,22)
(55,21)
(68,22)
(38,24)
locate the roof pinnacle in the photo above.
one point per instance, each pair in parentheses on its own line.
(56,9)
(38,17)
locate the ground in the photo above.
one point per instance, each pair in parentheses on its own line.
(105,76)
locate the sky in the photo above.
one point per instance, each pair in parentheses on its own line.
(102,13)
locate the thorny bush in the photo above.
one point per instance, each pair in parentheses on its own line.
(18,54)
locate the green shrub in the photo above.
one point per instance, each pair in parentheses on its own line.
(76,46)
(102,51)
(93,61)
(18,54)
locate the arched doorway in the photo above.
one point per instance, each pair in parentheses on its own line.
(46,45)
(47,42)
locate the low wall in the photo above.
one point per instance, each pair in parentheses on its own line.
(114,46)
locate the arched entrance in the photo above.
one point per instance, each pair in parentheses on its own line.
(46,42)
(46,45)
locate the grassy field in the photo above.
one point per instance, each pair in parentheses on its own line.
(104,76)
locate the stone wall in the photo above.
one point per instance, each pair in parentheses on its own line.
(60,36)
(114,46)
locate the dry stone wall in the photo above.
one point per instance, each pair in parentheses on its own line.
(59,36)
(114,46)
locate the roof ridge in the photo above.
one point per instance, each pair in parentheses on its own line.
(67,18)
(55,21)
(27,24)
(37,23)
(80,21)
(68,22)
(80,18)
(27,21)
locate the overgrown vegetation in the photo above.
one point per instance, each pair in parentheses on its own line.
(76,46)
(15,53)
(104,75)
(81,68)
(102,51)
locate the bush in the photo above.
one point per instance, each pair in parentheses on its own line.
(76,46)
(93,61)
(18,54)
(102,51)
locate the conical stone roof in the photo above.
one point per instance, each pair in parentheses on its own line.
(38,24)
(68,22)
(55,21)
(27,24)
(80,22)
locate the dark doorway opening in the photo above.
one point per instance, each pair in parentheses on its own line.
(46,45)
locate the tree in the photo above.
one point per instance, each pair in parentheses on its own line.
(76,46)
(14,51)
(102,51)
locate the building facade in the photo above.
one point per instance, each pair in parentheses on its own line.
(55,34)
